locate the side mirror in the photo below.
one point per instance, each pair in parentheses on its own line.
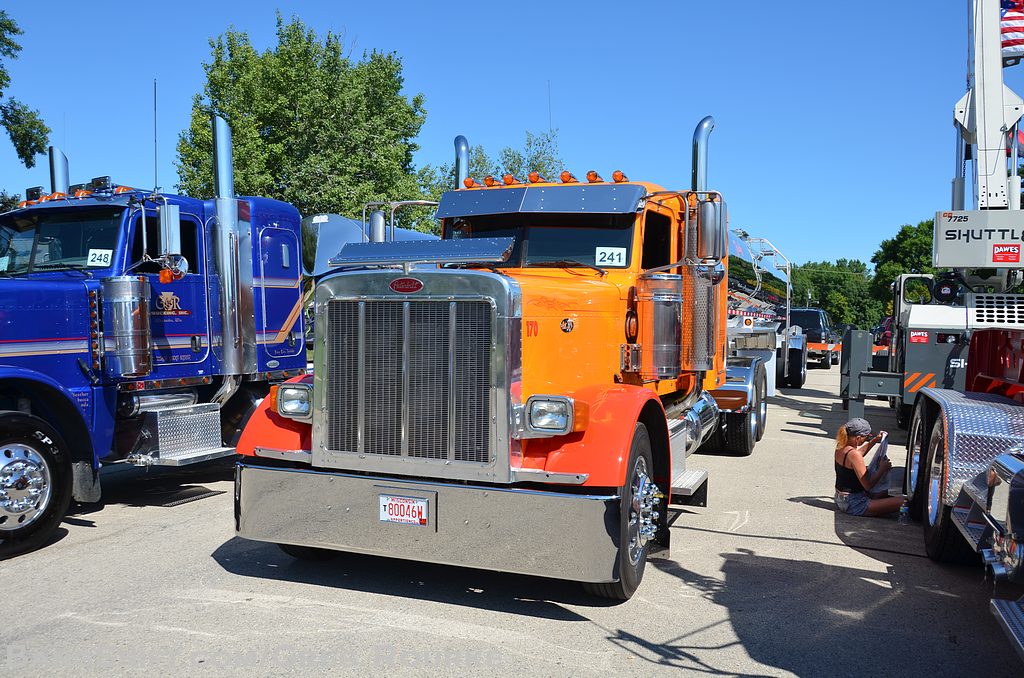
(711,243)
(170,229)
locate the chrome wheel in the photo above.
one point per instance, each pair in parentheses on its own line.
(643,519)
(25,486)
(935,480)
(916,445)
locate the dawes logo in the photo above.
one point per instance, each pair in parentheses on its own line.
(1006,253)
(918,337)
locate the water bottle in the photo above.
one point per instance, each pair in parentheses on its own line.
(904,518)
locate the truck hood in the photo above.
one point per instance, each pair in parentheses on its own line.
(43,318)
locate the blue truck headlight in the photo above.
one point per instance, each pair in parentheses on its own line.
(295,401)
(549,415)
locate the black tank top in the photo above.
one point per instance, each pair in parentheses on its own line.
(846,478)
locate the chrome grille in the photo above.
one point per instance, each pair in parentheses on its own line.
(410,378)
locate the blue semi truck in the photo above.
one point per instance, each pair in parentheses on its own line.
(135,327)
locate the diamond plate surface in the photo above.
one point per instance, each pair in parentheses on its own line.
(981,426)
(188,431)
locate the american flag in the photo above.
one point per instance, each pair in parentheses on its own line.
(1011,25)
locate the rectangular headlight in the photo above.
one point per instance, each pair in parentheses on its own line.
(550,415)
(295,401)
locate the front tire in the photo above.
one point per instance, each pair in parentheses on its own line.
(826,362)
(740,431)
(35,481)
(917,451)
(637,521)
(942,540)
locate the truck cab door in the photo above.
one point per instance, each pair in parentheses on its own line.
(179,315)
(279,295)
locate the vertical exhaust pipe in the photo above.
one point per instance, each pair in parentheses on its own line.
(700,153)
(378,226)
(461,160)
(231,250)
(59,177)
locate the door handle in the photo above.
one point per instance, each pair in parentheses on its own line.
(197,343)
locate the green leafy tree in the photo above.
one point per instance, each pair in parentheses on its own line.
(28,132)
(910,251)
(8,201)
(840,287)
(309,125)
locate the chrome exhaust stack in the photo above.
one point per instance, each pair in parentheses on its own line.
(461,161)
(232,260)
(700,153)
(60,179)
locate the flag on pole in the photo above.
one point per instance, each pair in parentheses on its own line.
(1011,26)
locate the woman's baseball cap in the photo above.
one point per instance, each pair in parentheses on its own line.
(858,427)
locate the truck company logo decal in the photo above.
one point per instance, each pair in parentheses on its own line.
(169,303)
(918,337)
(973,234)
(406,285)
(1006,253)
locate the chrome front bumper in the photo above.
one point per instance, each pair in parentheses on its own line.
(549,534)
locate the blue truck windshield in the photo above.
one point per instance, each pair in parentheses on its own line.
(56,239)
(603,240)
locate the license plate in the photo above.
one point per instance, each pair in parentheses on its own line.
(405,510)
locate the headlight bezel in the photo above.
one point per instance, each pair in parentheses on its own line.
(531,427)
(295,393)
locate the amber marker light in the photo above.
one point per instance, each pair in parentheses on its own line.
(123,189)
(618,177)
(593,177)
(568,178)
(468,182)
(509,179)
(535,177)
(490,181)
(166,276)
(81,193)
(580,416)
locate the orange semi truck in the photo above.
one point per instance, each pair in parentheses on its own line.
(519,396)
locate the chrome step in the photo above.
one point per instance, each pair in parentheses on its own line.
(1010,615)
(972,532)
(688,484)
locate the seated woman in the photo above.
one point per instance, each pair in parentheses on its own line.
(862,490)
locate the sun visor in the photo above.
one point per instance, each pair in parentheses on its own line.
(598,199)
(459,251)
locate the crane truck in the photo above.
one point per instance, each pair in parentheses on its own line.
(523,405)
(965,452)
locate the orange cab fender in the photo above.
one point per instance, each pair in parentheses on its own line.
(267,429)
(601,449)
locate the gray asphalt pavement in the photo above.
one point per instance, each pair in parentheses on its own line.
(766,581)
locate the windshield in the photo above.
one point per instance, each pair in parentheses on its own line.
(809,320)
(50,240)
(603,240)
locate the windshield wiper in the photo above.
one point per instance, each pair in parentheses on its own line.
(58,265)
(568,263)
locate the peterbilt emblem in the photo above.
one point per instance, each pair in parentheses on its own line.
(406,285)
(567,325)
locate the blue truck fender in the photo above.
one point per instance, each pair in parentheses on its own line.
(56,405)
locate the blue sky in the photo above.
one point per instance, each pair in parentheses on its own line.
(834,121)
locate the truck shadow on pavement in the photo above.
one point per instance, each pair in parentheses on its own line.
(509,593)
(822,619)
(157,486)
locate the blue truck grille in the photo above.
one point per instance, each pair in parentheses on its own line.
(410,378)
